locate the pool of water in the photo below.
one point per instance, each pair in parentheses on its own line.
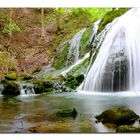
(36,110)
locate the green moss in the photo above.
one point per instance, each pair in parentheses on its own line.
(12,101)
(25,76)
(127,129)
(11,76)
(43,86)
(110,16)
(84,43)
(120,115)
(36,70)
(67,113)
(74,81)
(80,69)
(61,58)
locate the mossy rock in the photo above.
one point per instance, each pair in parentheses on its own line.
(26,76)
(11,76)
(11,101)
(74,81)
(79,69)
(42,86)
(85,44)
(60,61)
(67,113)
(10,88)
(127,129)
(36,70)
(110,16)
(118,116)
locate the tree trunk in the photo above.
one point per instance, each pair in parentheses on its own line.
(42,24)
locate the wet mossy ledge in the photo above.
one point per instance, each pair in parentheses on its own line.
(60,84)
(128,129)
(60,59)
(110,16)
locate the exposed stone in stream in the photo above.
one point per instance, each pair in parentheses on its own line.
(10,88)
(118,116)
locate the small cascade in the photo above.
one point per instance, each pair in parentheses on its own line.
(117,65)
(75,44)
(73,53)
(75,64)
(26,88)
(94,31)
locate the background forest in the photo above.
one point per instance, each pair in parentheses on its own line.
(29,37)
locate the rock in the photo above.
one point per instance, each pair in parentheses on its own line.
(74,81)
(67,113)
(53,86)
(42,128)
(127,128)
(10,88)
(12,101)
(118,116)
(58,127)
(42,86)
(11,76)
(26,76)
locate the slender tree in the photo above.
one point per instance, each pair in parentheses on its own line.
(10,25)
(42,24)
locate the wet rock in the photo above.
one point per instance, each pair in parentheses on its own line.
(67,113)
(26,76)
(52,86)
(11,101)
(74,81)
(10,88)
(118,116)
(59,127)
(127,129)
(42,86)
(11,76)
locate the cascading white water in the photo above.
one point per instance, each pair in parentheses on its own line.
(74,46)
(75,64)
(117,65)
(75,43)
(26,88)
(94,30)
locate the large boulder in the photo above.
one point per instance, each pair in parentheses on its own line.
(118,116)
(127,129)
(10,88)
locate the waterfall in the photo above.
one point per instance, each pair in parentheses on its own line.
(117,65)
(75,64)
(94,31)
(74,47)
(75,44)
(26,88)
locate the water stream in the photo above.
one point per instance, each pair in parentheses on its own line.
(36,110)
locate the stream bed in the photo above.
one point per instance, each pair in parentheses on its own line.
(34,110)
